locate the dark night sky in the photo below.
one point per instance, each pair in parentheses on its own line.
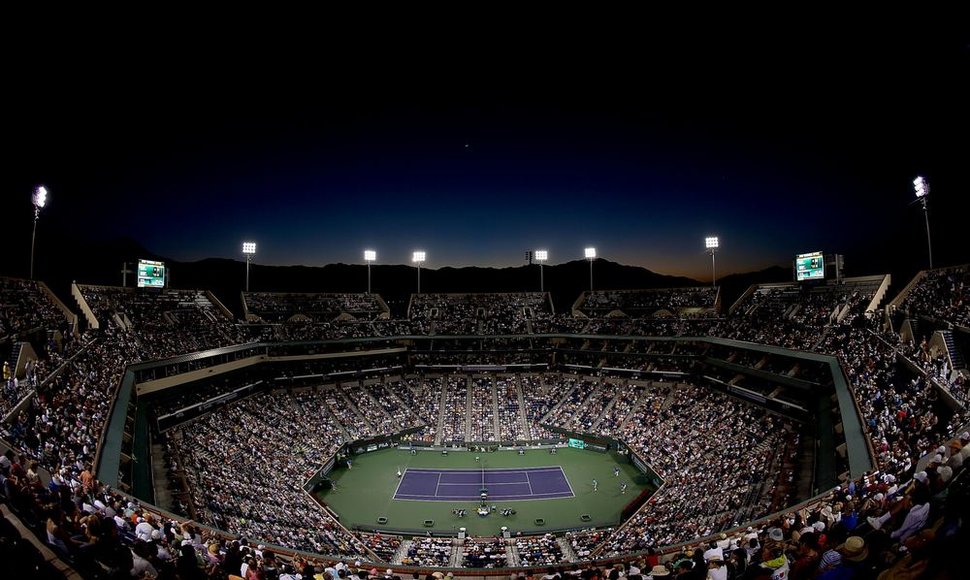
(478,148)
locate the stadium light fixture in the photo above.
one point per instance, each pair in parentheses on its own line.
(712,243)
(418,258)
(922,195)
(369,256)
(249,249)
(541,256)
(39,201)
(590,255)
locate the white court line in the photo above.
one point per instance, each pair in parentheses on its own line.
(526,480)
(399,482)
(524,471)
(489,485)
(490,469)
(567,482)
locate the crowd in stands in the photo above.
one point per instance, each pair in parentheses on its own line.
(371,411)
(482,410)
(282,307)
(483,314)
(347,415)
(649,303)
(580,388)
(464,359)
(301,331)
(257,440)
(384,545)
(792,316)
(484,553)
(456,403)
(624,405)
(558,324)
(165,323)
(942,294)
(24,307)
(539,550)
(509,417)
(588,415)
(26,310)
(717,455)
(583,542)
(422,395)
(395,416)
(200,393)
(540,397)
(429,552)
(712,451)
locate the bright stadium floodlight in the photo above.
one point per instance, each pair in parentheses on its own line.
(369,256)
(418,258)
(39,201)
(712,244)
(541,256)
(590,255)
(248,248)
(922,195)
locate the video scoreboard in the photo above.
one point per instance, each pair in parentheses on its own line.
(809,266)
(151,274)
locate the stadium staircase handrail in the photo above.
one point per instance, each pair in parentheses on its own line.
(219,305)
(25,400)
(746,294)
(880,293)
(904,293)
(68,313)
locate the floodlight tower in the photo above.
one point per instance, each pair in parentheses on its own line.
(369,256)
(541,256)
(922,194)
(39,200)
(712,244)
(249,248)
(418,258)
(590,255)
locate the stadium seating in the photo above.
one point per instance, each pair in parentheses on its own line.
(723,460)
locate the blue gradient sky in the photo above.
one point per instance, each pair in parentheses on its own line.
(477,163)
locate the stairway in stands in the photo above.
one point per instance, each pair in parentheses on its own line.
(402,551)
(569,555)
(957,362)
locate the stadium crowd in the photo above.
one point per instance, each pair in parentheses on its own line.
(715,453)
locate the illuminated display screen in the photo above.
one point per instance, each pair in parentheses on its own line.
(809,266)
(151,274)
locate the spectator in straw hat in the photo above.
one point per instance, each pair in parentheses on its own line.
(854,554)
(659,571)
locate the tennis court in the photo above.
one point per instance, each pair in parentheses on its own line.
(432,485)
(467,484)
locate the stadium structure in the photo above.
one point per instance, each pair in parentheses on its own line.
(483,433)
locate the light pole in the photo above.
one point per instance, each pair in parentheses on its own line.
(541,256)
(590,255)
(369,256)
(40,200)
(249,248)
(712,244)
(922,194)
(418,257)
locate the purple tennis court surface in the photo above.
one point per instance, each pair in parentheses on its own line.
(466,484)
